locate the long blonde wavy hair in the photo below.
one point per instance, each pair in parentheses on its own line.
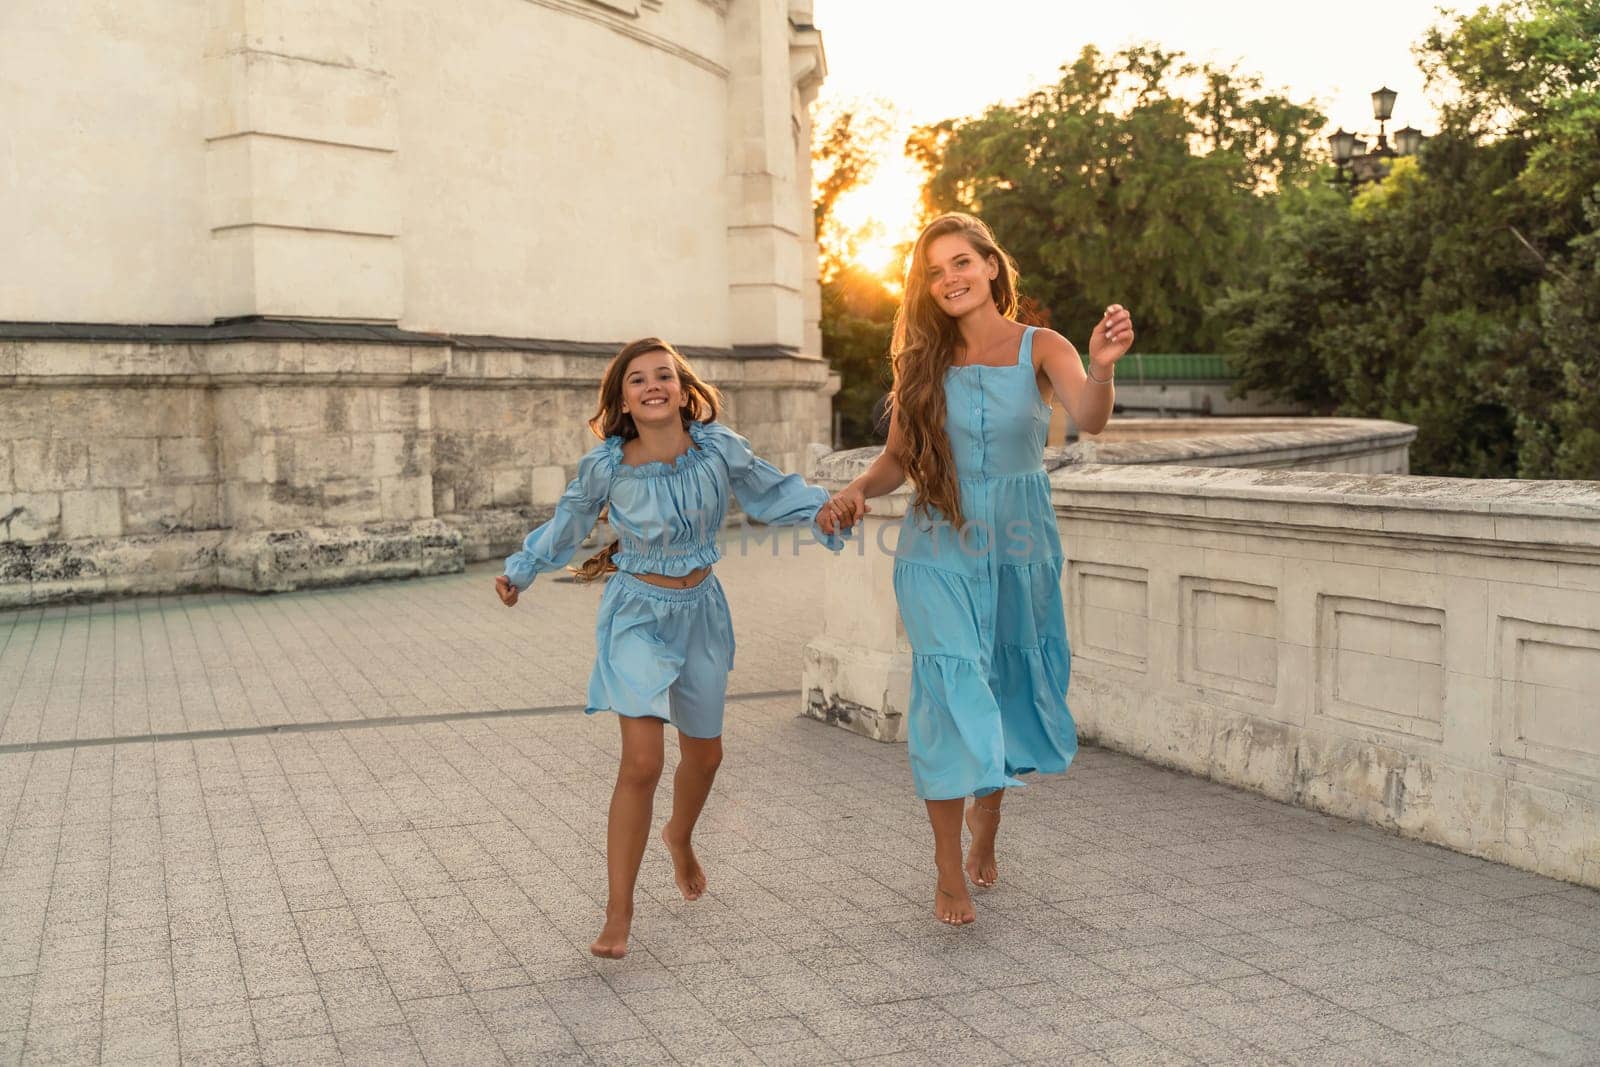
(923,348)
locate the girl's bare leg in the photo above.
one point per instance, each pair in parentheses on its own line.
(951,903)
(628,829)
(983,820)
(698,760)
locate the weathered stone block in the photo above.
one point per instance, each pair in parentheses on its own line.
(50,464)
(33,517)
(350,501)
(156,509)
(187,459)
(546,484)
(280,560)
(510,488)
(405,499)
(123,461)
(289,410)
(319,458)
(444,498)
(866,692)
(332,359)
(474,489)
(399,409)
(251,457)
(389,453)
(5,467)
(264,506)
(91,513)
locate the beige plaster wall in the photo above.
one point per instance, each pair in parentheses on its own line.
(102,161)
(588,170)
(560,178)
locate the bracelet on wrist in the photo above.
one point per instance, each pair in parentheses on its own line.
(1088,371)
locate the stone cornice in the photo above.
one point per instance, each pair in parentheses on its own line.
(1560,520)
(52,355)
(611,20)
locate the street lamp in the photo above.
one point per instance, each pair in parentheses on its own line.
(1355,165)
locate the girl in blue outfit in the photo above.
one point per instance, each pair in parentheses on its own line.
(978,565)
(664,640)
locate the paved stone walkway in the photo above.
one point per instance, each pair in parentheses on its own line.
(376,838)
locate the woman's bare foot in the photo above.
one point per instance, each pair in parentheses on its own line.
(951,902)
(686,869)
(983,822)
(612,944)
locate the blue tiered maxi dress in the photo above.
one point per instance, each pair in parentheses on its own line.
(982,606)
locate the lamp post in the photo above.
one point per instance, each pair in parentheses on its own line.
(1355,164)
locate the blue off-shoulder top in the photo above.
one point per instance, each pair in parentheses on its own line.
(667,515)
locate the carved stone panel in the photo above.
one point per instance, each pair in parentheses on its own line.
(1230,637)
(1110,613)
(1381,665)
(1548,710)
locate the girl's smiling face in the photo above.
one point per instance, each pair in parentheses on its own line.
(958,277)
(651,392)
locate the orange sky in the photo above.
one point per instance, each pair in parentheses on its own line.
(955,58)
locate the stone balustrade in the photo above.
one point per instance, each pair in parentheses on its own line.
(1422,654)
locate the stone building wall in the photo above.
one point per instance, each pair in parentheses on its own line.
(300,294)
(589,170)
(269,465)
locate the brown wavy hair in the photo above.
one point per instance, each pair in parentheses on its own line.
(609,420)
(923,348)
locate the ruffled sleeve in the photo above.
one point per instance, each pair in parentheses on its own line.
(764,492)
(551,546)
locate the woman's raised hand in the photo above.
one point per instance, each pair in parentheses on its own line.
(1112,337)
(507,591)
(843,510)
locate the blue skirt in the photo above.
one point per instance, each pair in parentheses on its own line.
(990,660)
(663,653)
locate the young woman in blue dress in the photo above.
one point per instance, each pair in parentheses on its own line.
(978,564)
(664,469)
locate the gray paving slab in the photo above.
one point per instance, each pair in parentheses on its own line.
(420,884)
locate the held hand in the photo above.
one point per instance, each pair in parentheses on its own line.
(843,510)
(507,592)
(1111,339)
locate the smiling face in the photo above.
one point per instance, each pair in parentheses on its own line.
(958,276)
(651,392)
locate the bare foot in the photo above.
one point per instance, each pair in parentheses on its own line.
(951,902)
(612,944)
(983,822)
(686,869)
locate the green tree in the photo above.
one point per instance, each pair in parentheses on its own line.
(857,319)
(1116,184)
(1458,294)
(844,155)
(857,309)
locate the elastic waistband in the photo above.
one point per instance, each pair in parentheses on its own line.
(637,586)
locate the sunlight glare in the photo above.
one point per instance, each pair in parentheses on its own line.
(883,212)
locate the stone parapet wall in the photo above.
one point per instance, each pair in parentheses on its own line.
(150,467)
(1417,653)
(1353,446)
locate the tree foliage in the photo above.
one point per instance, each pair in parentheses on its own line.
(1461,292)
(857,318)
(857,309)
(844,155)
(1139,177)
